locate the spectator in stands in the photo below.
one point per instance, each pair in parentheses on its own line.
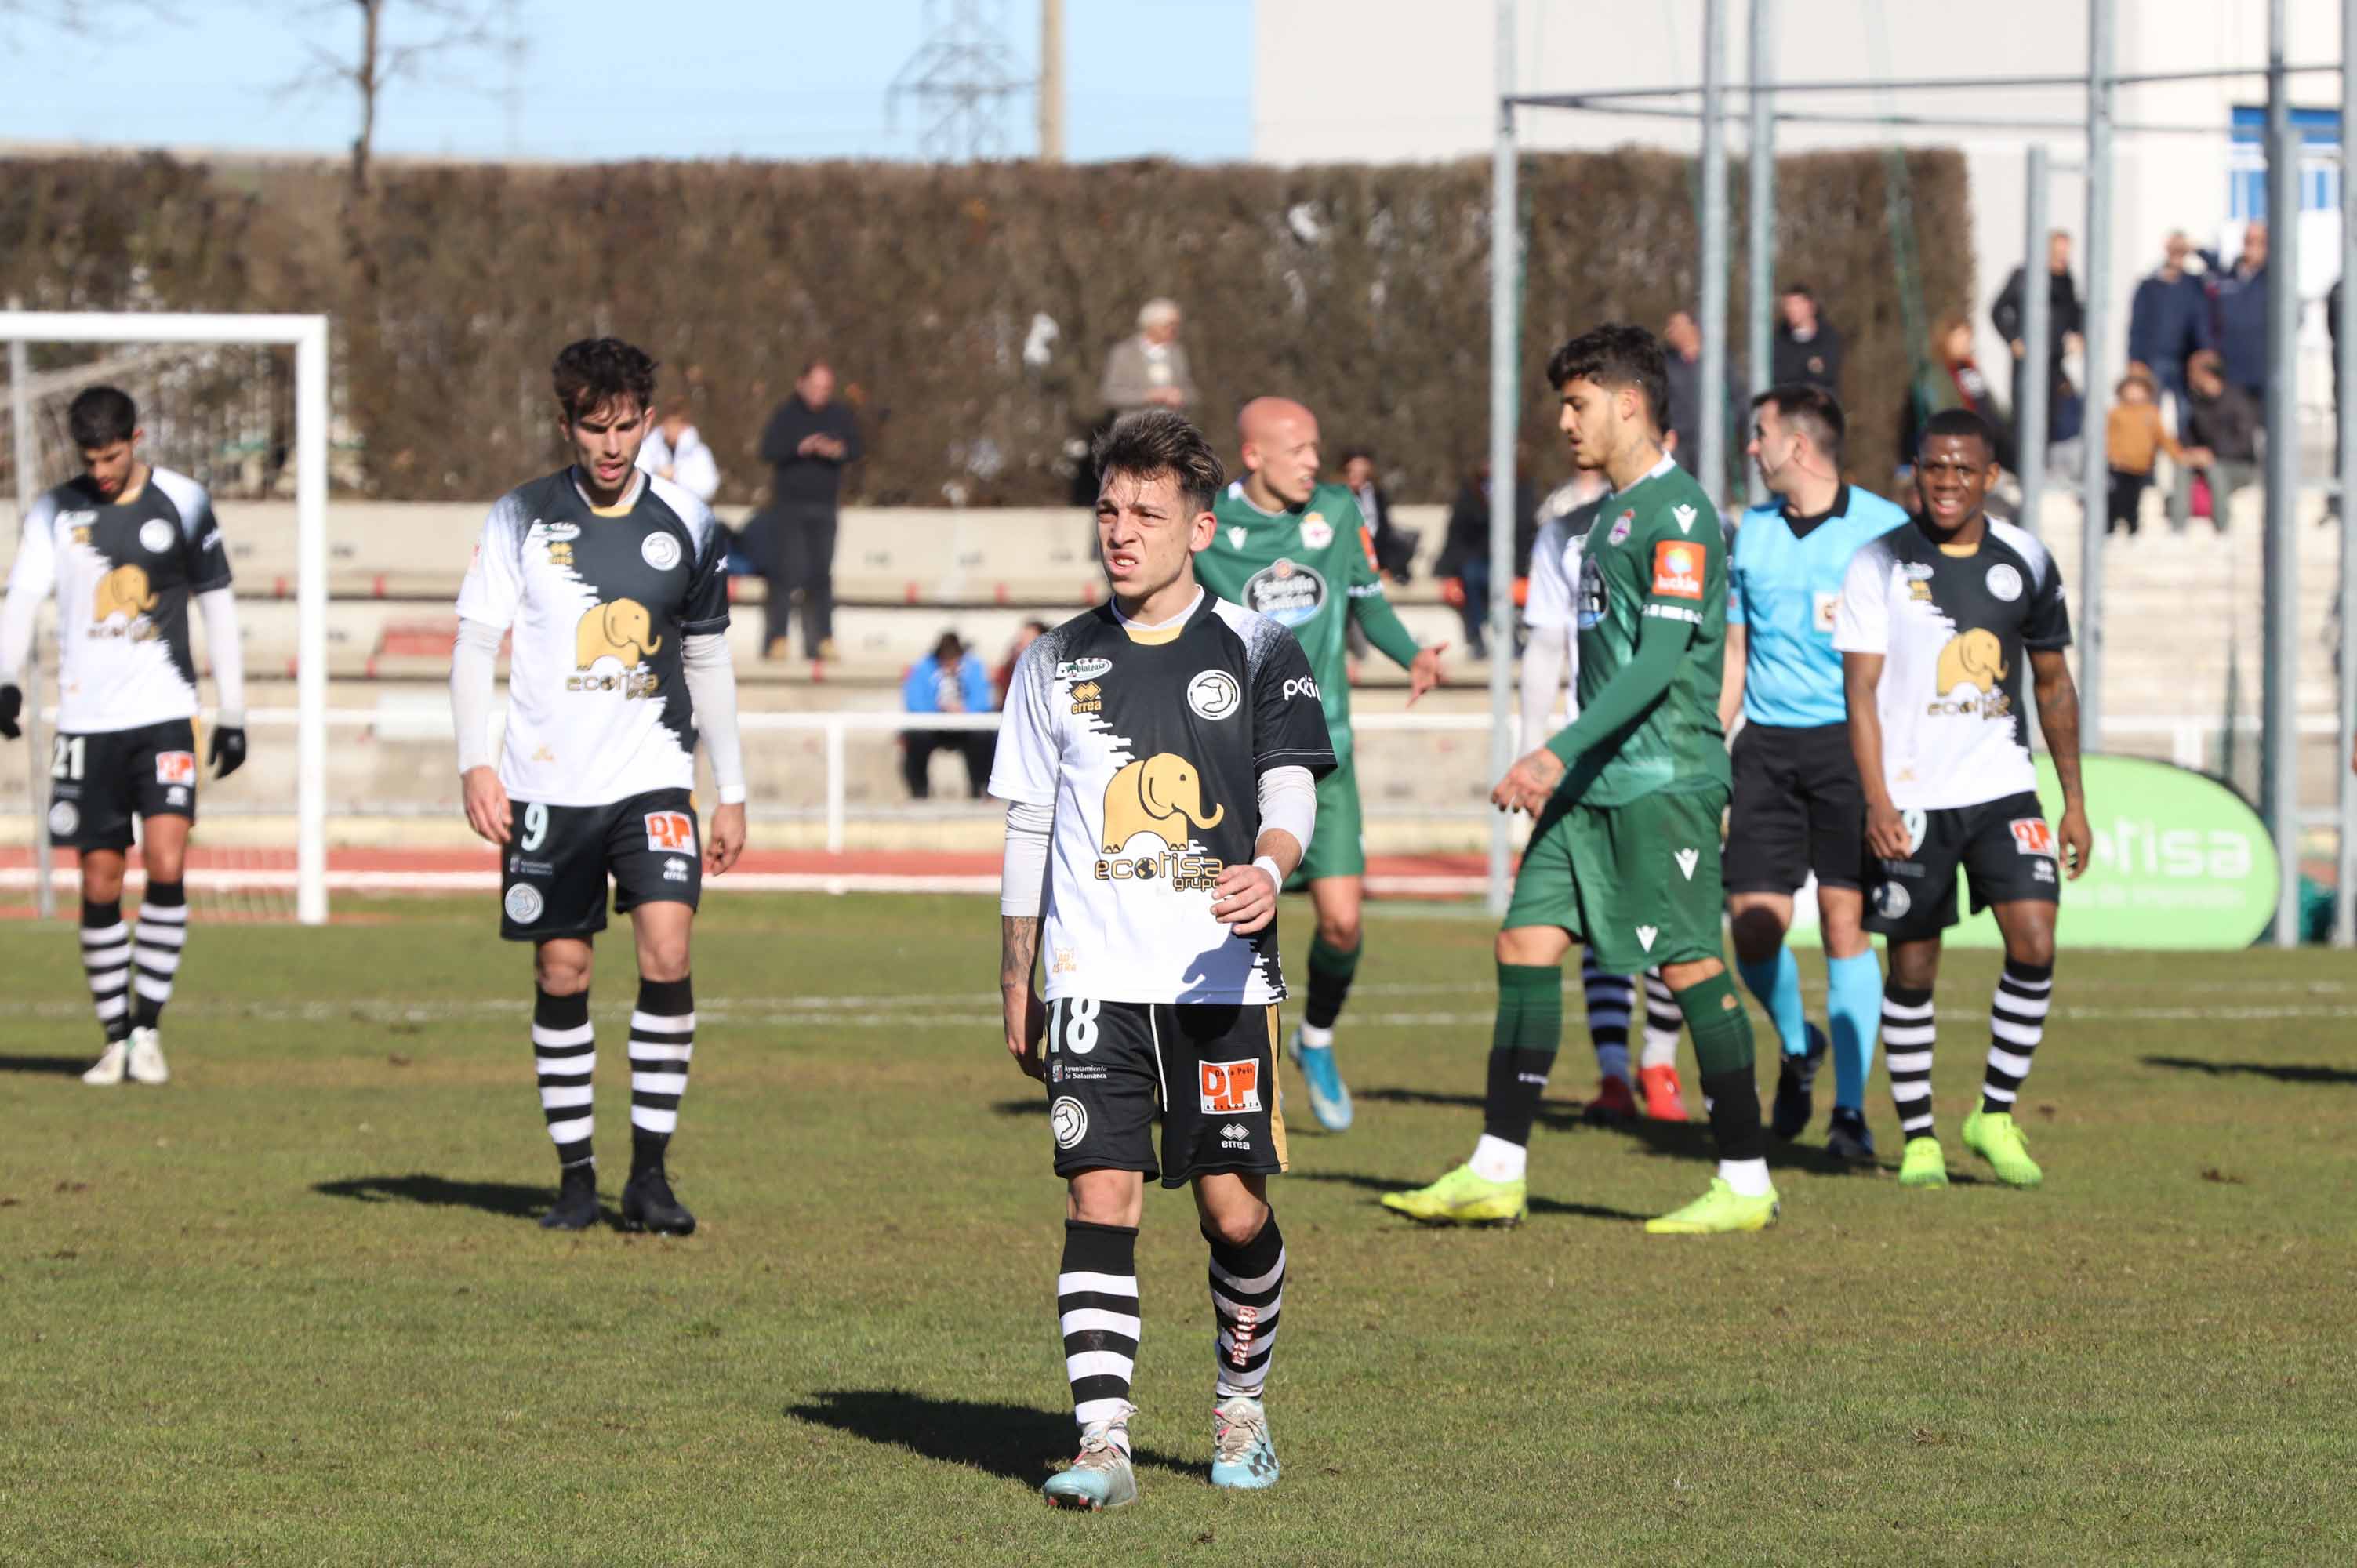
(2066,322)
(810,438)
(1465,554)
(1150,370)
(1003,678)
(2238,304)
(1683,340)
(1395,546)
(2221,438)
(2169,322)
(2133,438)
(1951,379)
(674,450)
(949,680)
(1807,347)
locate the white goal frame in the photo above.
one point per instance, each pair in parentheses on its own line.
(308,337)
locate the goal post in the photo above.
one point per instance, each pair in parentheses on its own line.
(307,335)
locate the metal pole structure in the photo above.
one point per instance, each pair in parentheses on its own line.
(1051,81)
(2279,748)
(1760,249)
(1710,462)
(311,622)
(2037,351)
(36,761)
(2095,473)
(2344,921)
(1505,418)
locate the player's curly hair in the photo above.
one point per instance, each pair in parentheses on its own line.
(101,416)
(1613,356)
(1963,421)
(1157,441)
(596,372)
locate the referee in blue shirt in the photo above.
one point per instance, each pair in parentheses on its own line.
(1797,803)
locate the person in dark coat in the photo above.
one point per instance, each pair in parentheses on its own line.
(810,439)
(1466,555)
(2066,322)
(2238,304)
(2169,322)
(1807,348)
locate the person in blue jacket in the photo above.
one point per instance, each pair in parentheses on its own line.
(949,680)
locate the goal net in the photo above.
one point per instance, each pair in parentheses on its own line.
(240,405)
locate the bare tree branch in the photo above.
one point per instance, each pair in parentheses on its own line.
(433,32)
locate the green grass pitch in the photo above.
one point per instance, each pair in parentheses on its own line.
(293,1309)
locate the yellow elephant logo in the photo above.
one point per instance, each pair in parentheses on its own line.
(1975,659)
(1159,794)
(615,630)
(123,592)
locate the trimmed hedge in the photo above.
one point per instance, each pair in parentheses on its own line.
(1362,290)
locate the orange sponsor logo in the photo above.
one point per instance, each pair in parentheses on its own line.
(1677,570)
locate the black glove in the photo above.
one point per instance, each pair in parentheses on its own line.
(228,752)
(12,703)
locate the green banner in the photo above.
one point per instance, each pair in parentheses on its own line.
(2182,861)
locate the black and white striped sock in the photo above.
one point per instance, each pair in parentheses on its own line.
(1909,1029)
(155,944)
(1663,1022)
(1096,1307)
(564,1053)
(1248,1289)
(1611,998)
(106,961)
(2017,1023)
(662,1039)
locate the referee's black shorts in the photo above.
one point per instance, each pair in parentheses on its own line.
(1797,807)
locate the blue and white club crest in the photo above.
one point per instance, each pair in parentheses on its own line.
(1620,527)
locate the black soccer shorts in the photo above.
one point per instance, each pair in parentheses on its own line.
(99,781)
(2006,849)
(1798,808)
(559,857)
(1210,1068)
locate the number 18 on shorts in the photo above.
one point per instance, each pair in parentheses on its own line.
(1205,1072)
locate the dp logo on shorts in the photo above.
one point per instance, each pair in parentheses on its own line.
(1231,1087)
(670,831)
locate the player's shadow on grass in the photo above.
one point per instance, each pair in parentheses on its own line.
(505,1198)
(1538,1205)
(1025,1107)
(1012,1440)
(2280,1072)
(62,1067)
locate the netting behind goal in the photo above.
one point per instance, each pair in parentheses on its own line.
(225,414)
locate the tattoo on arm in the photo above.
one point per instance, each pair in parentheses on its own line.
(2057,716)
(1019,949)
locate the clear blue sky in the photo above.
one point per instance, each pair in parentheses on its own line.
(624,78)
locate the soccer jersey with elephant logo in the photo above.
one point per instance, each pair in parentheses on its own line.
(598,599)
(123,572)
(1149,744)
(1955,627)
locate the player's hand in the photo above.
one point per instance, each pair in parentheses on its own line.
(1887,835)
(1246,897)
(227,753)
(488,811)
(1026,1021)
(726,841)
(1530,783)
(2078,842)
(11,703)
(1424,673)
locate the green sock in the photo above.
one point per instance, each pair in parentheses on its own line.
(1522,1048)
(1722,1039)
(1330,972)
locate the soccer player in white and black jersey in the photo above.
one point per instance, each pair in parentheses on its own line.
(1937,618)
(127,548)
(1159,756)
(615,584)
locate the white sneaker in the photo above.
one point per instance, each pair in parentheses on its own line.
(108,1070)
(147,1059)
(1102,1477)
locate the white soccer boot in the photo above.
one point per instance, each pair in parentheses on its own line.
(108,1072)
(1243,1457)
(147,1057)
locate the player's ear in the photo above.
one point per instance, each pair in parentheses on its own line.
(1200,532)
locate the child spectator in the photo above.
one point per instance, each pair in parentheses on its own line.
(2135,437)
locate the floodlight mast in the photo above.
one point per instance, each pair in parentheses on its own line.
(308,334)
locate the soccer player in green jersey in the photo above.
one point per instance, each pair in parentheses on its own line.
(1624,855)
(1297,551)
